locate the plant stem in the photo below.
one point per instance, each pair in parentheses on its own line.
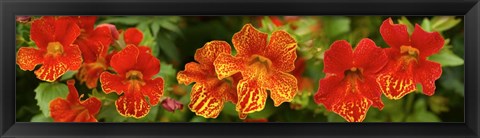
(408,108)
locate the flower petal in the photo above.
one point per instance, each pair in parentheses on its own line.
(60,110)
(193,73)
(397,80)
(205,101)
(427,43)
(51,69)
(395,35)
(251,97)
(72,57)
(90,72)
(28,58)
(426,73)
(282,86)
(103,38)
(249,41)
(226,65)
(353,108)
(84,116)
(66,31)
(210,51)
(125,60)
(368,87)
(147,64)
(72,96)
(86,22)
(132,104)
(133,36)
(153,89)
(92,104)
(338,58)
(328,92)
(42,31)
(282,51)
(369,57)
(112,83)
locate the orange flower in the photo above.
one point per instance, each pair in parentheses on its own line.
(94,44)
(408,64)
(53,37)
(263,66)
(208,93)
(135,67)
(72,109)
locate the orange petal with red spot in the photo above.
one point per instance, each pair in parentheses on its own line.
(282,86)
(125,60)
(338,58)
(42,31)
(226,65)
(132,104)
(353,108)
(28,58)
(282,51)
(206,101)
(153,89)
(210,51)
(427,43)
(193,73)
(249,41)
(51,70)
(426,73)
(395,35)
(133,36)
(112,83)
(251,97)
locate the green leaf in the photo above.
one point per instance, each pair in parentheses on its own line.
(229,109)
(267,111)
(149,41)
(155,26)
(405,21)
(168,74)
(335,26)
(109,113)
(123,20)
(68,75)
(333,117)
(447,58)
(41,118)
(171,27)
(46,92)
(150,117)
(426,25)
(168,47)
(442,23)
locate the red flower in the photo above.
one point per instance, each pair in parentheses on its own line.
(72,109)
(263,66)
(113,30)
(94,44)
(350,88)
(135,68)
(208,93)
(408,64)
(171,105)
(53,37)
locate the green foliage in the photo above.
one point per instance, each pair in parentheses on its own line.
(46,92)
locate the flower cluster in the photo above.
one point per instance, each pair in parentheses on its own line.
(356,79)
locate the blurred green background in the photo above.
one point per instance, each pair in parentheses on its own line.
(174,40)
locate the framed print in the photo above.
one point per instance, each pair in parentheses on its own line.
(239,68)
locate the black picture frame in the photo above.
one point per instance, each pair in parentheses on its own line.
(470,9)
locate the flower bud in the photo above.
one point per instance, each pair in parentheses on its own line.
(171,105)
(113,30)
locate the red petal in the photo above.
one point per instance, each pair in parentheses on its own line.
(51,69)
(205,101)
(282,86)
(369,88)
(282,51)
(338,58)
(132,104)
(28,58)
(147,64)
(93,105)
(66,31)
(84,116)
(43,31)
(90,50)
(328,92)
(193,73)
(86,22)
(72,57)
(395,35)
(426,73)
(60,110)
(353,108)
(104,37)
(133,36)
(426,43)
(397,80)
(72,96)
(125,60)
(210,51)
(251,97)
(369,57)
(249,41)
(154,90)
(226,65)
(90,72)
(112,83)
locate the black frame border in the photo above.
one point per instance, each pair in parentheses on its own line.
(470,9)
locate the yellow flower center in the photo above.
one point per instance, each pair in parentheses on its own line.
(135,79)
(409,54)
(260,64)
(54,48)
(353,74)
